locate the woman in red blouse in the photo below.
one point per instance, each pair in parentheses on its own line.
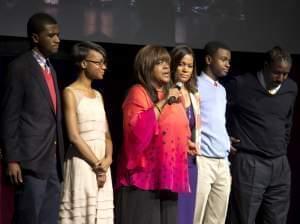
(153,164)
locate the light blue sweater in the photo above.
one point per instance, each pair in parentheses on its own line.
(214,137)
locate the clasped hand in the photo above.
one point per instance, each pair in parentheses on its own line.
(100,168)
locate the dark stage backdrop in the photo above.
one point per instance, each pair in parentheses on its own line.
(119,78)
(246,25)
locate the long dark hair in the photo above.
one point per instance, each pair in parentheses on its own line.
(176,56)
(144,63)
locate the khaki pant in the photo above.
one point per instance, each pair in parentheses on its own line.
(213,189)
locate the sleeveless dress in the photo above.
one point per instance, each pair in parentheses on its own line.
(82,201)
(186,201)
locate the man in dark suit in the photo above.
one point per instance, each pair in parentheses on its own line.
(31,126)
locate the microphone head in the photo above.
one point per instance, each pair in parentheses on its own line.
(179,85)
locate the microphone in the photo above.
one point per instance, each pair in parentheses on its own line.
(173,99)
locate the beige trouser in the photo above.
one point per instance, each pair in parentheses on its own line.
(213,189)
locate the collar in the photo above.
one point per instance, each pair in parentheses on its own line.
(205,76)
(40,58)
(261,79)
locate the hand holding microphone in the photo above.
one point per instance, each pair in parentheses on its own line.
(174,93)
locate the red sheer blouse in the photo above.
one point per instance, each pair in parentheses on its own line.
(154,155)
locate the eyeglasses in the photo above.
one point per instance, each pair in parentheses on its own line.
(98,63)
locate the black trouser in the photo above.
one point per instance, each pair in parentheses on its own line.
(136,206)
(37,200)
(260,183)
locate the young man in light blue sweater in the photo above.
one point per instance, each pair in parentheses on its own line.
(214,179)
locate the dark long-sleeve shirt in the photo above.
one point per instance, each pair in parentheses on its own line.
(260,120)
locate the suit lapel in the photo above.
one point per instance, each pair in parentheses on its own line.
(58,103)
(37,73)
(195,99)
(195,104)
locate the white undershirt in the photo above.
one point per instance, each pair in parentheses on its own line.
(261,79)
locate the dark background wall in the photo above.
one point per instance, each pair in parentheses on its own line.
(119,78)
(246,25)
(249,27)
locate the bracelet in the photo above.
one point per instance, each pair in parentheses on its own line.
(101,174)
(157,107)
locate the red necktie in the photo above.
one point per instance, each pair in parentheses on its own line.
(50,83)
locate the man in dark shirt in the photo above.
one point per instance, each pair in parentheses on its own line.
(260,108)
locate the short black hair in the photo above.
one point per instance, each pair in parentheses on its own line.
(37,22)
(81,50)
(212,47)
(277,54)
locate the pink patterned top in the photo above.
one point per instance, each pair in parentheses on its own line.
(154,155)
